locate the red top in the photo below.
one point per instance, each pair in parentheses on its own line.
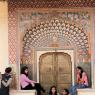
(83,80)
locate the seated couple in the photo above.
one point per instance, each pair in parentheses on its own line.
(27,84)
(53,91)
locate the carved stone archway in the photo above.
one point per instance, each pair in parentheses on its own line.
(67,35)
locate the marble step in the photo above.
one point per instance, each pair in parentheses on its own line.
(86,91)
(22,92)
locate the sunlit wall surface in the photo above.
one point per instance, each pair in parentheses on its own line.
(3,35)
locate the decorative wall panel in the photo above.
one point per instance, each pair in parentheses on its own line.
(52,3)
(15,5)
(55,25)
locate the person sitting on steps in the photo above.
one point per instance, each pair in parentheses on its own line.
(27,84)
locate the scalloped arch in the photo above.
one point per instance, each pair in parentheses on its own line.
(66,33)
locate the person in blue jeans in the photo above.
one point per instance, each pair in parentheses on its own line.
(82,81)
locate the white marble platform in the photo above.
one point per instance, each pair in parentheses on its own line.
(86,91)
(22,92)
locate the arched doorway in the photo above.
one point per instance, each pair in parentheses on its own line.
(69,36)
(55,68)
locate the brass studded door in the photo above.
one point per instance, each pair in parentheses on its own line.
(55,69)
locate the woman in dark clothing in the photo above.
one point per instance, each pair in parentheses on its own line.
(27,84)
(5,81)
(53,90)
(65,92)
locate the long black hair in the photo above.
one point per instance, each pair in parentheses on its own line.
(66,90)
(81,69)
(23,70)
(50,92)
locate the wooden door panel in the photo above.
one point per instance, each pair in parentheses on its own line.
(64,78)
(46,70)
(48,79)
(64,63)
(63,70)
(55,69)
(60,87)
